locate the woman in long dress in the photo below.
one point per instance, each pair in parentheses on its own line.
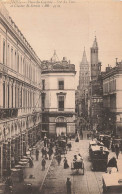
(65,163)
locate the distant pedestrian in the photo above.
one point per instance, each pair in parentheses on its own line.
(43,164)
(37,154)
(45,142)
(70,137)
(50,152)
(66,163)
(58,158)
(117,150)
(68,185)
(31,162)
(43,152)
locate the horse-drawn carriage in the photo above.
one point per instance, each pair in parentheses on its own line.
(99,157)
(61,146)
(77,164)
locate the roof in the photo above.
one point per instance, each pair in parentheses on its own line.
(98,148)
(57,66)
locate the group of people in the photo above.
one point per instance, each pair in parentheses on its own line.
(47,151)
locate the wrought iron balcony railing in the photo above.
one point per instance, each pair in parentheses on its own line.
(8,112)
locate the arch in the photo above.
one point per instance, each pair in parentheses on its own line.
(61,119)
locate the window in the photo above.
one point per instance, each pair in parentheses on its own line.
(4,94)
(61,103)
(18,64)
(3,52)
(11,57)
(12,95)
(61,85)
(8,56)
(43,102)
(43,84)
(8,95)
(15,61)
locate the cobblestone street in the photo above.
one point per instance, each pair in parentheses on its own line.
(90,182)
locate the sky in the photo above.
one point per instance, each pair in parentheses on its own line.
(71,27)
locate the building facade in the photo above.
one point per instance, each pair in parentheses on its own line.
(112,97)
(20,89)
(58,100)
(95,104)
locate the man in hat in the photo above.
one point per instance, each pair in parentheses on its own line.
(68,185)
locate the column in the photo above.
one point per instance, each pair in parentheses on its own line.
(14,83)
(1,92)
(10,94)
(1,161)
(6,96)
(0,50)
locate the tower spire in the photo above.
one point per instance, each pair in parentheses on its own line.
(54,57)
(95,45)
(84,58)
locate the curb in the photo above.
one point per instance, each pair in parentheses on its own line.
(40,189)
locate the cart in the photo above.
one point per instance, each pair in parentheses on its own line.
(61,147)
(112,183)
(77,166)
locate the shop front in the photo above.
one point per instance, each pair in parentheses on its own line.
(61,126)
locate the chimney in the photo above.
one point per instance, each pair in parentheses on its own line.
(108,68)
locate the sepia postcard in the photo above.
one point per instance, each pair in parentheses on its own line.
(60,96)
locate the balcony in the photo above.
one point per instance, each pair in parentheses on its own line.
(8,112)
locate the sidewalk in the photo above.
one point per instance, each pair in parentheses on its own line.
(38,174)
(119,160)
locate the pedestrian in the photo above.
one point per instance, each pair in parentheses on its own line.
(58,158)
(21,175)
(117,150)
(65,163)
(43,152)
(8,185)
(43,164)
(37,154)
(31,162)
(45,142)
(68,185)
(70,137)
(50,152)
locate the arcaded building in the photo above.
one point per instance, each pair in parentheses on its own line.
(20,89)
(58,97)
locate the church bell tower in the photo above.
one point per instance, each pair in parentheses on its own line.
(95,64)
